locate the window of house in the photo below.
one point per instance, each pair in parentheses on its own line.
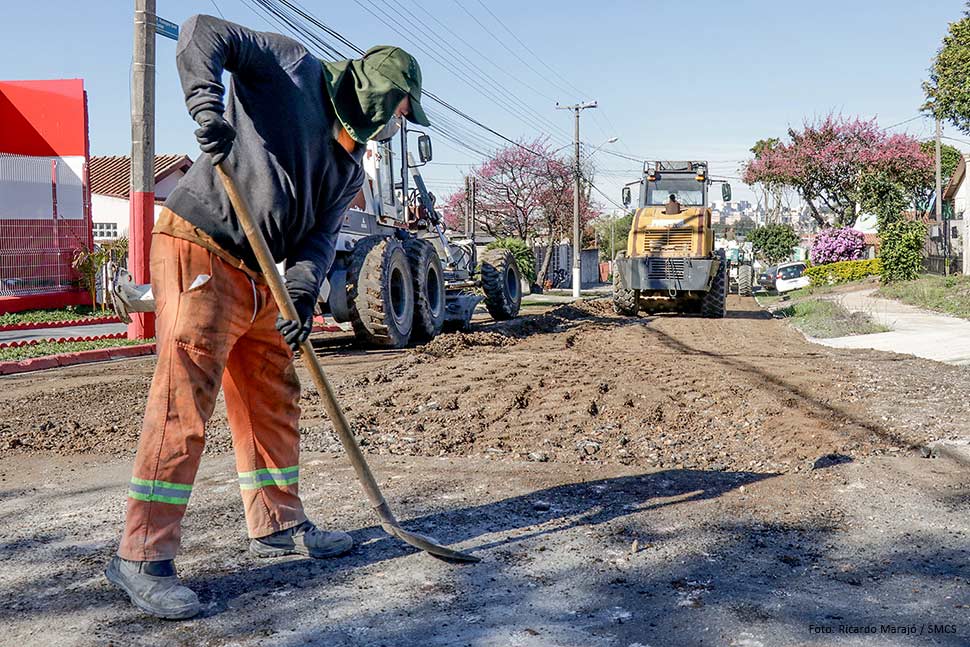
(105,230)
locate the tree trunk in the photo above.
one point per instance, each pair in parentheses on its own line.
(546,258)
(815,214)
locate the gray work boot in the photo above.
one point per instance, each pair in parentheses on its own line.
(159,594)
(304,539)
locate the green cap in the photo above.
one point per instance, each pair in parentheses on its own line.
(404,72)
(366,91)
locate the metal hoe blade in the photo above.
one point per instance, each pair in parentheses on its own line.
(327,394)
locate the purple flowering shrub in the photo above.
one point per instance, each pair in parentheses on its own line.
(837,244)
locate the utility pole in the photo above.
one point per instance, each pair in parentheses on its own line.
(468,209)
(939,204)
(612,239)
(474,191)
(577,234)
(142,190)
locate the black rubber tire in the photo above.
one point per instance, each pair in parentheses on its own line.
(624,301)
(714,303)
(429,289)
(745,278)
(380,292)
(501,283)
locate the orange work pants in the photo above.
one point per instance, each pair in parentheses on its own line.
(214,324)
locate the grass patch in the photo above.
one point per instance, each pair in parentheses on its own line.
(52,347)
(61,314)
(770,300)
(825,318)
(947,294)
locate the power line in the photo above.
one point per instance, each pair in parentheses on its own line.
(496,38)
(524,46)
(452,67)
(529,86)
(906,121)
(294,24)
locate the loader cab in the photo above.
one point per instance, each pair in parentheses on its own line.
(686,181)
(391,171)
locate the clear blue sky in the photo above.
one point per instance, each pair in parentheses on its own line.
(674,80)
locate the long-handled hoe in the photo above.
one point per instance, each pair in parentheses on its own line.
(336,414)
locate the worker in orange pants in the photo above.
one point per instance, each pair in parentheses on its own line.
(292,131)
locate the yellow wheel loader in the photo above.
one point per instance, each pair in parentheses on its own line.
(670,263)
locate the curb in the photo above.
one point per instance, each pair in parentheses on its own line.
(13,367)
(61,340)
(33,325)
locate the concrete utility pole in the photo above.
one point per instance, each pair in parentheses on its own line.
(944,229)
(577,234)
(468,209)
(474,191)
(142,190)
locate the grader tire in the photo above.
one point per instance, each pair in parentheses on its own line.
(429,289)
(624,301)
(745,279)
(501,283)
(714,303)
(380,293)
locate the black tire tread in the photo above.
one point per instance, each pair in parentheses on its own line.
(498,302)
(745,278)
(365,294)
(624,301)
(714,303)
(426,325)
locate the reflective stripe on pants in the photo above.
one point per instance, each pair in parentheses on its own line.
(207,335)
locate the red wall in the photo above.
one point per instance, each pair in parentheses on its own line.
(44,119)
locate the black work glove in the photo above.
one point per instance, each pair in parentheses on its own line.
(296,332)
(215,135)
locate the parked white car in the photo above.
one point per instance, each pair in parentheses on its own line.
(791,276)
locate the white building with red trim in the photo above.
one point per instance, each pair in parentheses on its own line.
(110,179)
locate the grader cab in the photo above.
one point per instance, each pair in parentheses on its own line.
(670,263)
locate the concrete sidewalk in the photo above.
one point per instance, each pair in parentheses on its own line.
(914,331)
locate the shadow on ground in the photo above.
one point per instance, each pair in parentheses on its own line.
(559,569)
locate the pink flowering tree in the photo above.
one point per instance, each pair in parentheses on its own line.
(837,244)
(827,161)
(525,192)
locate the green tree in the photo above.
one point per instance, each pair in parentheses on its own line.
(525,260)
(621,233)
(774,243)
(950,157)
(770,186)
(901,250)
(882,196)
(947,91)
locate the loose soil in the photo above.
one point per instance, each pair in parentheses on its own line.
(627,482)
(573,384)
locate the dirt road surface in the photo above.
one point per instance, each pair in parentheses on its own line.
(652,481)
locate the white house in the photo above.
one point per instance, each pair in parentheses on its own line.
(957,194)
(110,178)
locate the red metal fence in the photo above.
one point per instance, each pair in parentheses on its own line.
(43,220)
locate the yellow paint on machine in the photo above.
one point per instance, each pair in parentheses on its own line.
(656,233)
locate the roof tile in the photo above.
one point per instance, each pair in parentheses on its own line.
(111,175)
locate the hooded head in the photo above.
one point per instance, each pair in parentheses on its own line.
(366,91)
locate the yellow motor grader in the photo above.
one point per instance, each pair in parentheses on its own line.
(670,263)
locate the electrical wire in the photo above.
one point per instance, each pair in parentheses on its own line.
(294,25)
(428,50)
